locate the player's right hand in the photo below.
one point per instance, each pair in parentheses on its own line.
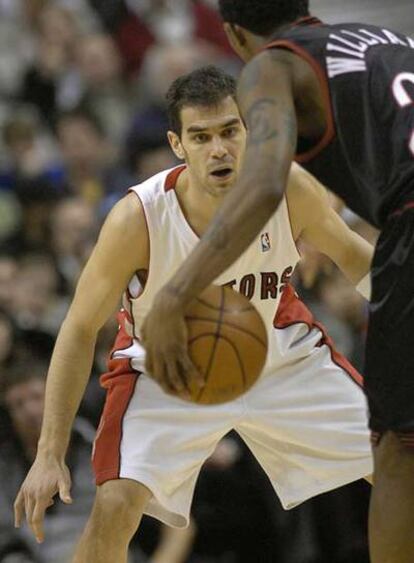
(47,477)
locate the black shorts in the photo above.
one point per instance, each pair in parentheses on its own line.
(389,370)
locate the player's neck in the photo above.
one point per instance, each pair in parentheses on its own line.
(197,204)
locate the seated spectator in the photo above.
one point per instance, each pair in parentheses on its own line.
(105,88)
(35,304)
(73,230)
(49,84)
(8,271)
(90,162)
(30,152)
(22,394)
(148,155)
(167,21)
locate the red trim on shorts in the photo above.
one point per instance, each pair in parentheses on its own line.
(119,381)
(171,180)
(323,82)
(292,311)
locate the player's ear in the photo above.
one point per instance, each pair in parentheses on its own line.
(235,36)
(175,144)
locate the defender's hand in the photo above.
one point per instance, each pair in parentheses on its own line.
(46,478)
(164,335)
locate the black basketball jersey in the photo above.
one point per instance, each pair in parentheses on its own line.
(366,74)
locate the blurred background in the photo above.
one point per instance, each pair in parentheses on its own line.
(82,86)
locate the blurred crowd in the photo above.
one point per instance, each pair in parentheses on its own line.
(82,118)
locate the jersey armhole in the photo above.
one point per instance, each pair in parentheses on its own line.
(286,203)
(128,294)
(330,133)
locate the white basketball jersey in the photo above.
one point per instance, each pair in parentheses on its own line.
(262,273)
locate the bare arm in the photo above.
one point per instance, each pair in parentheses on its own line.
(121,250)
(114,260)
(315,221)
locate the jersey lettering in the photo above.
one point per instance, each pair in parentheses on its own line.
(248,285)
(270,284)
(356,46)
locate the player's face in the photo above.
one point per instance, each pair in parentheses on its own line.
(213,140)
(25,403)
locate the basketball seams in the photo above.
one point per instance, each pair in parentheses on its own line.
(239,360)
(231,325)
(219,340)
(216,335)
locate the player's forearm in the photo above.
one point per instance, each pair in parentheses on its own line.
(356,263)
(67,378)
(234,227)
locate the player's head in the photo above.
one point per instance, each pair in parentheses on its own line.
(245,21)
(22,394)
(206,129)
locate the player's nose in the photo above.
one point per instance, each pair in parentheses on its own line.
(218,148)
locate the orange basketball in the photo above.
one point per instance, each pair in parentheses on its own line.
(227,342)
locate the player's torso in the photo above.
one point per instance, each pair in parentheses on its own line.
(262,273)
(366,76)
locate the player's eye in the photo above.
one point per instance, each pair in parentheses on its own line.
(201,138)
(230,132)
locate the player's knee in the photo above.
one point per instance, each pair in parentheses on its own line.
(124,498)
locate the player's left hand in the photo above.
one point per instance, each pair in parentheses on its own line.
(164,336)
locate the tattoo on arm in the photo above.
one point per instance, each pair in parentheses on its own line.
(258,125)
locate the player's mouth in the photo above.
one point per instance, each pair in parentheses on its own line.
(222,173)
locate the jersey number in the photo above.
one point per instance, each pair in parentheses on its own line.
(403,97)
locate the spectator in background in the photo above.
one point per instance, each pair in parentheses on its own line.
(148,154)
(169,22)
(51,84)
(30,152)
(90,162)
(8,271)
(22,394)
(73,229)
(35,303)
(105,88)
(23,398)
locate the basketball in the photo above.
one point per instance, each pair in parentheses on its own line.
(227,342)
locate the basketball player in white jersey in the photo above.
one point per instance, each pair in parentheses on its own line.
(304,420)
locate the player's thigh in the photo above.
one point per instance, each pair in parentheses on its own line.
(308,427)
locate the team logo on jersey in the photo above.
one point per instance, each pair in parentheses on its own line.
(265,242)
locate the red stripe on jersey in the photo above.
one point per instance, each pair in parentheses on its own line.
(292,311)
(119,381)
(307,20)
(171,180)
(409,205)
(323,82)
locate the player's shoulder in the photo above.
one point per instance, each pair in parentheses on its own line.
(302,186)
(156,186)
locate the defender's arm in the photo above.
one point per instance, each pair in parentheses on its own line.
(121,250)
(315,222)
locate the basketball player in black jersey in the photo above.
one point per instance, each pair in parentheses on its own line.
(340,100)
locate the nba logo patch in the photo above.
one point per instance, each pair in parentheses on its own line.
(265,242)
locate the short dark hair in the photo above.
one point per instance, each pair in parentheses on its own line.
(206,86)
(262,17)
(22,370)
